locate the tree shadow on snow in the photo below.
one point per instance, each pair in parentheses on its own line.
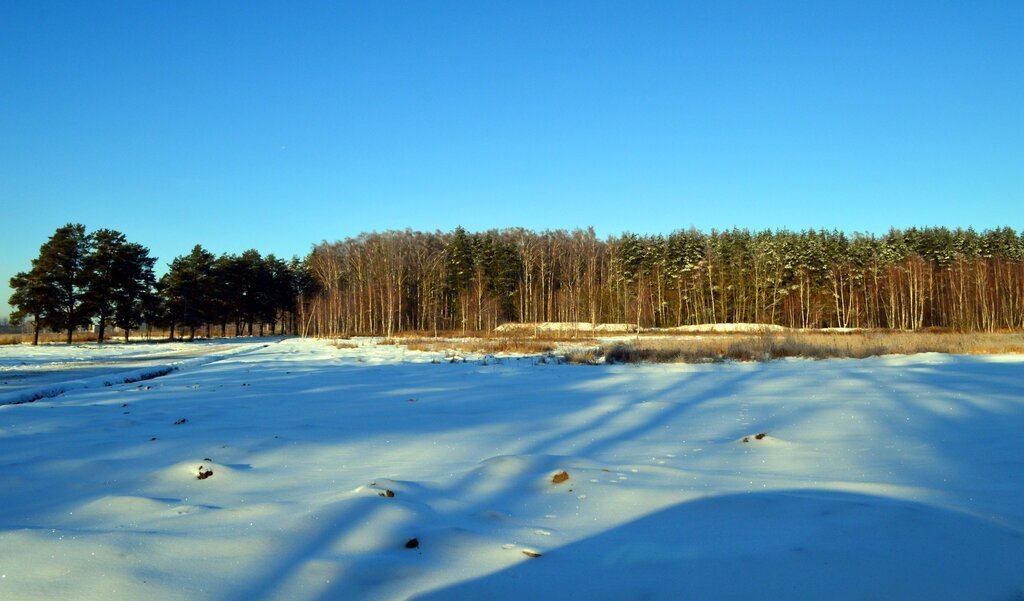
(799,544)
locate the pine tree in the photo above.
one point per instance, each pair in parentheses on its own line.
(458,262)
(187,289)
(103,267)
(29,299)
(631,259)
(62,264)
(133,292)
(255,285)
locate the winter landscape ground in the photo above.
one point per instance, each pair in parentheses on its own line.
(374,472)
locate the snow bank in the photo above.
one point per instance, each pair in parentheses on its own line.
(565,327)
(728,328)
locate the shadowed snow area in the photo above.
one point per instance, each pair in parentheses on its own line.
(379,473)
(35,372)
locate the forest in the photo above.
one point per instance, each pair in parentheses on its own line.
(399,281)
(381,283)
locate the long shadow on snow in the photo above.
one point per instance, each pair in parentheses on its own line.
(802,544)
(959,421)
(335,522)
(565,424)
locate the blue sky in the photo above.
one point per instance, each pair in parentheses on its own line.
(277,125)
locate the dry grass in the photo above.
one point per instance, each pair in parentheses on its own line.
(480,345)
(47,337)
(814,345)
(485,342)
(491,335)
(6,339)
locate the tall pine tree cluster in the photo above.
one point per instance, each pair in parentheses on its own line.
(101,279)
(381,283)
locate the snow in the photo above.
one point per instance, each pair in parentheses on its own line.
(887,478)
(565,327)
(49,370)
(730,328)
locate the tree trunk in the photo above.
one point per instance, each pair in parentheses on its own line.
(35,332)
(102,327)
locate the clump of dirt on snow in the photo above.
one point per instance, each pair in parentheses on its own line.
(204,473)
(560,477)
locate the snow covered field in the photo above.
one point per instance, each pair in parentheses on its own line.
(885,478)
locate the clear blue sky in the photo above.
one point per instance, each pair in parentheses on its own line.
(277,125)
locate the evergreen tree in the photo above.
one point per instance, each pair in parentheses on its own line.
(256,282)
(29,299)
(187,289)
(225,302)
(62,264)
(103,266)
(458,263)
(133,294)
(283,292)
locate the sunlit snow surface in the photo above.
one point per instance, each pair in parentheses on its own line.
(885,478)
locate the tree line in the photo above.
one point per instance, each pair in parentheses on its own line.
(101,279)
(380,283)
(387,282)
